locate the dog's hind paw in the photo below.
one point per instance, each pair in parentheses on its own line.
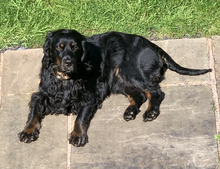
(130,113)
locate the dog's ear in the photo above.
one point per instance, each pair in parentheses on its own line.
(85,58)
(47,50)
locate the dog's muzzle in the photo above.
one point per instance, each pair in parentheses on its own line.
(68,65)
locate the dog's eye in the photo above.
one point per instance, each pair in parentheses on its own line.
(60,47)
(73,46)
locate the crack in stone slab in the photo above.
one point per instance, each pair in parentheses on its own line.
(195,83)
(1,71)
(69,146)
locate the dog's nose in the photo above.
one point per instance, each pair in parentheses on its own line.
(68,62)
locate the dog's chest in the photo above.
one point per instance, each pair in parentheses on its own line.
(66,99)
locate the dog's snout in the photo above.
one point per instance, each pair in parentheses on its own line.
(67,60)
(68,64)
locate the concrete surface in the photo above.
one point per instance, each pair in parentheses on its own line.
(182,137)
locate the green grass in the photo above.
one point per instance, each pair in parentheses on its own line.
(26,22)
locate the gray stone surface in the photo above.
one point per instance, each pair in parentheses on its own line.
(21,71)
(49,151)
(182,137)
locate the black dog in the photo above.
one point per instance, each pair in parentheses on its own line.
(78,73)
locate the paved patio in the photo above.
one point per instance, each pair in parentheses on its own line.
(182,137)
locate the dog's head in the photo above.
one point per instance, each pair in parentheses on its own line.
(66,49)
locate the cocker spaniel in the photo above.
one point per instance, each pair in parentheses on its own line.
(78,73)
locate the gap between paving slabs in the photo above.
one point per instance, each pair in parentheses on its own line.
(210,49)
(1,68)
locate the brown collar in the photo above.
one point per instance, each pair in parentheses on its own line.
(62,76)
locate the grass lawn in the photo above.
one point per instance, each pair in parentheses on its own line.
(26,22)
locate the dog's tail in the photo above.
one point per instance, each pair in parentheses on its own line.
(172,65)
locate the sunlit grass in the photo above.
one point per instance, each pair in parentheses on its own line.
(26,22)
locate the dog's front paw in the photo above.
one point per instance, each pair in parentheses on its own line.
(78,139)
(130,113)
(27,137)
(150,115)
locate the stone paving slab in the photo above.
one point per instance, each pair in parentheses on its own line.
(21,71)
(49,151)
(181,137)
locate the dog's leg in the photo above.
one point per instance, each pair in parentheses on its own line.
(155,98)
(32,129)
(136,99)
(78,136)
